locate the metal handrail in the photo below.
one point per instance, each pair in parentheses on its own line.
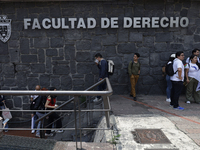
(87,92)
(59,107)
(77,93)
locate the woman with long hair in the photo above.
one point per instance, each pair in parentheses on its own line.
(191,72)
(50,105)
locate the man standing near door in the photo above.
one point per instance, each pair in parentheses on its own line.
(134,73)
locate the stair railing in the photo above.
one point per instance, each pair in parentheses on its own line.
(76,94)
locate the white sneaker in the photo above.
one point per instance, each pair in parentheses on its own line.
(96,100)
(168,99)
(59,131)
(188,102)
(51,134)
(33,131)
(37,135)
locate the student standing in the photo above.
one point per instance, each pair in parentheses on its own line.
(169,83)
(196,53)
(103,73)
(40,105)
(2,106)
(33,115)
(191,73)
(134,73)
(177,80)
(50,105)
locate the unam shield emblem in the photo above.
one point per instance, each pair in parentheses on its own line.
(5,28)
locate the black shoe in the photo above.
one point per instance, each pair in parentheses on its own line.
(131,95)
(134,98)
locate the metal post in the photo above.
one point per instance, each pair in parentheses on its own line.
(88,113)
(1,131)
(75,102)
(107,114)
(42,132)
(79,112)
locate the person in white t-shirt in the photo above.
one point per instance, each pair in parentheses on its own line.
(191,74)
(196,53)
(177,80)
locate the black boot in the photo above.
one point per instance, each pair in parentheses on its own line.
(134,98)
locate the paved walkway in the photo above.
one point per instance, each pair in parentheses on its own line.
(155,112)
(181,127)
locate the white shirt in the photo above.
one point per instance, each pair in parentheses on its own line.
(188,60)
(177,64)
(193,70)
(34,96)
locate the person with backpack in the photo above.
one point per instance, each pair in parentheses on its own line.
(177,80)
(167,77)
(134,73)
(191,73)
(196,53)
(103,73)
(33,115)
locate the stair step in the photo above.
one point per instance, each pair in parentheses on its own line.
(85,145)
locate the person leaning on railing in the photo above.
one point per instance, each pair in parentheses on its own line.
(50,105)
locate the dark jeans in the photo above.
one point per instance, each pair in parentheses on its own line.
(169,86)
(101,87)
(53,117)
(176,92)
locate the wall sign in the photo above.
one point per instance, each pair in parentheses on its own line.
(113,22)
(90,23)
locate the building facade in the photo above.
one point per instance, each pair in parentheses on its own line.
(54,43)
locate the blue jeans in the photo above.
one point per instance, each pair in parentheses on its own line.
(101,87)
(169,86)
(3,107)
(38,126)
(34,119)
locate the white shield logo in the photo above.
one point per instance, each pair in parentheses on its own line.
(5,28)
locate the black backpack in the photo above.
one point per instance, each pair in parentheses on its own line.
(169,69)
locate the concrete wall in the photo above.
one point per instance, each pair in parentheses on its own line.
(64,58)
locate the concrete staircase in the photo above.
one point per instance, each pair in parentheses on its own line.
(68,122)
(8,142)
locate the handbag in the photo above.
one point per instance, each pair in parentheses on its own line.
(6,113)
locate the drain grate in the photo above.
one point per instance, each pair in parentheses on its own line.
(150,136)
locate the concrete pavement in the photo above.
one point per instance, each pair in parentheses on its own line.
(181,127)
